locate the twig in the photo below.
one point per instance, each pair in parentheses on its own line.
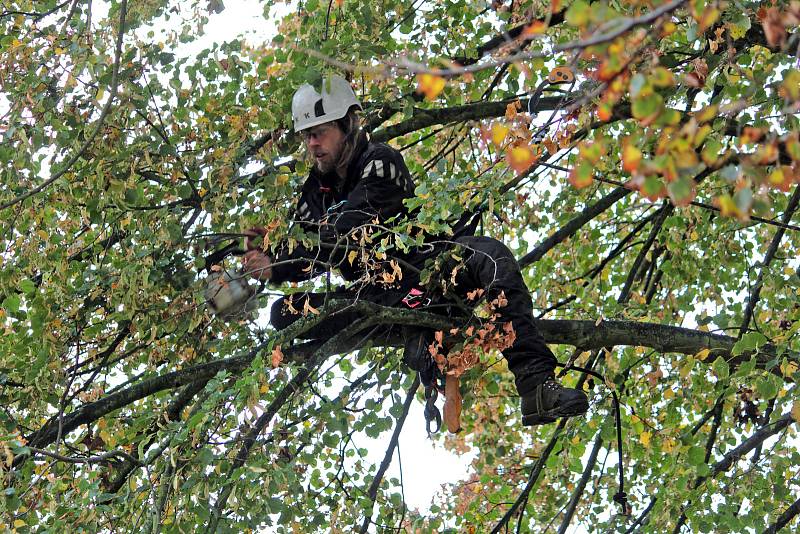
(89,459)
(755,292)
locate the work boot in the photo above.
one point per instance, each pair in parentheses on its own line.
(548,401)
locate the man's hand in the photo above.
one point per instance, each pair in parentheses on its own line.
(257,264)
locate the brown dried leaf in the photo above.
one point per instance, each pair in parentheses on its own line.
(277,356)
(452,404)
(773,27)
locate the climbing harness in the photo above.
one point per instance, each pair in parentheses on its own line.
(416,298)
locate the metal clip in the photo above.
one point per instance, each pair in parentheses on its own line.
(432,414)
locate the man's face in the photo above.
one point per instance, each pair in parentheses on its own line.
(324,142)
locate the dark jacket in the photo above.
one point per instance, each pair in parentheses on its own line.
(337,210)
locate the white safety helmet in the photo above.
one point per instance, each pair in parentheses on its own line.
(310,108)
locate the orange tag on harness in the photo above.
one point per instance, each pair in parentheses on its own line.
(561,75)
(452,404)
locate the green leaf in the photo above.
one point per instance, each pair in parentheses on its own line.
(721,368)
(767,388)
(749,342)
(696,455)
(27,286)
(578,14)
(11,304)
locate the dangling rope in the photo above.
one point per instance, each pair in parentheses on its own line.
(620,497)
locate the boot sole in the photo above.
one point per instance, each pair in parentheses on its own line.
(579,407)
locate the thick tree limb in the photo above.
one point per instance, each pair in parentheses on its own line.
(581,333)
(423,118)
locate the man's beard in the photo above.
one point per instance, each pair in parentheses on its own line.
(326,165)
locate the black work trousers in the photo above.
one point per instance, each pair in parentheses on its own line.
(488,265)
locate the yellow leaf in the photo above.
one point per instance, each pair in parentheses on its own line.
(789,368)
(631,157)
(796,411)
(352,256)
(430,85)
(499,132)
(707,113)
(727,206)
(644,438)
(19,523)
(702,355)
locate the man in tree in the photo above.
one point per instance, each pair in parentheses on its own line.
(354,188)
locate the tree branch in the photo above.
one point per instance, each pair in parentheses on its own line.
(581,486)
(292,387)
(372,492)
(423,118)
(581,333)
(536,470)
(106,456)
(755,292)
(785,518)
(569,229)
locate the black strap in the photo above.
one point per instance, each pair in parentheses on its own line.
(432,413)
(620,497)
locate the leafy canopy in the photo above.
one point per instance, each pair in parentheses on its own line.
(640,157)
